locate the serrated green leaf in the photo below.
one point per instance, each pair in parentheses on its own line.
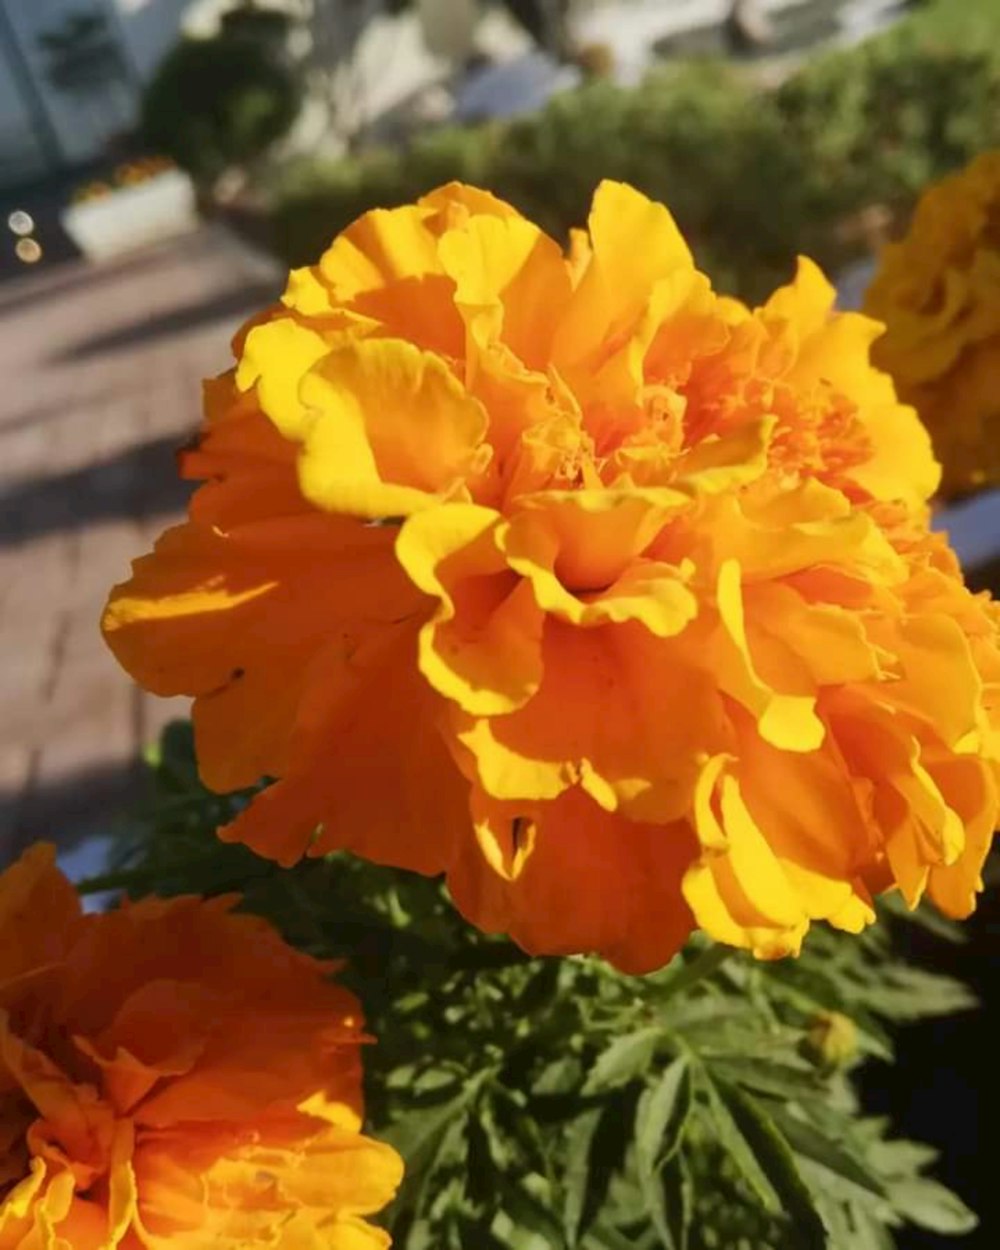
(913,994)
(808,1140)
(930,1205)
(775,1157)
(689,1016)
(528,1212)
(869,1232)
(626,1058)
(659,1123)
(835,1218)
(925,917)
(562,1076)
(596,1148)
(661,1115)
(731,1140)
(418,1135)
(781,1080)
(900,1158)
(611,1238)
(434,1085)
(576,1178)
(422,1189)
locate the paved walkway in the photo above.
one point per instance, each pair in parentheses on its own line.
(99,381)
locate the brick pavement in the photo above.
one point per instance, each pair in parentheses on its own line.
(99,380)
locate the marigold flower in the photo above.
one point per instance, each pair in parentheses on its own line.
(173,1074)
(609,597)
(938,291)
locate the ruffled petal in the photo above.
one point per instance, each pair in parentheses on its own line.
(577,852)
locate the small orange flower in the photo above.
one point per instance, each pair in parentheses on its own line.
(609,597)
(938,292)
(173,1074)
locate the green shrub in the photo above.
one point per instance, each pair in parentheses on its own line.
(882,120)
(697,139)
(314,200)
(220,102)
(754,177)
(693,138)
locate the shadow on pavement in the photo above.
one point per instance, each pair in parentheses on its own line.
(228,305)
(139,482)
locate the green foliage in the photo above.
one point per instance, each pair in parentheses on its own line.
(882,120)
(556,1104)
(754,177)
(694,138)
(219,102)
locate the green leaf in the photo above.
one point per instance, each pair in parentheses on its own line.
(708,1013)
(732,1140)
(781,1080)
(562,1076)
(418,1135)
(659,1123)
(661,1115)
(596,1148)
(778,1163)
(900,1158)
(925,917)
(808,1140)
(869,1232)
(835,1218)
(576,1179)
(433,1086)
(626,1058)
(611,1239)
(528,1212)
(912,994)
(929,1205)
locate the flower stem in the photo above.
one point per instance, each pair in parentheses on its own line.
(703,966)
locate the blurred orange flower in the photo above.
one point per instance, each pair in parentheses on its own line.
(174,1074)
(608,596)
(938,292)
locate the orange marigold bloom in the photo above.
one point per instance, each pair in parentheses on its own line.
(173,1074)
(938,291)
(609,597)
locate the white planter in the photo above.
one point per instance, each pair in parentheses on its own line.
(131,217)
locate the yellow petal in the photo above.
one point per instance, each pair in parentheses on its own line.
(620,275)
(788,721)
(276,358)
(482,648)
(510,281)
(389,430)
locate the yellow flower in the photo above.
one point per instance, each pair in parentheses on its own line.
(611,598)
(938,292)
(172,1074)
